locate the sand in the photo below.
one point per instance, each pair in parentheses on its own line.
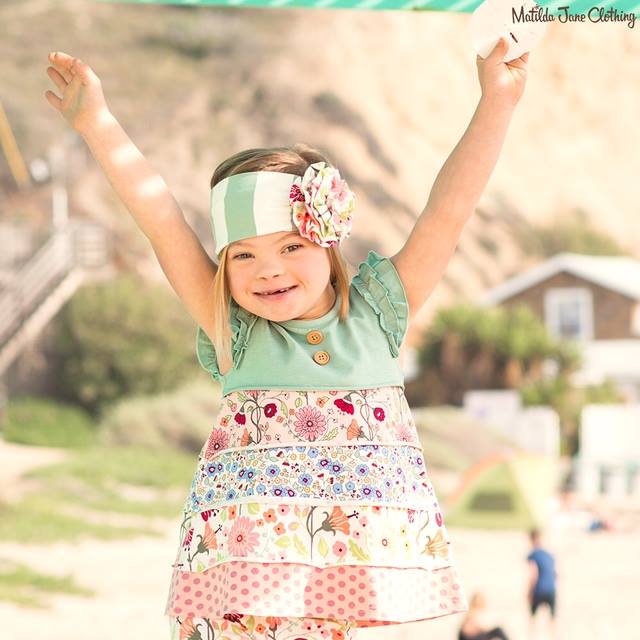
(597,589)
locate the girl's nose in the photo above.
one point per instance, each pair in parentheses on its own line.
(269,269)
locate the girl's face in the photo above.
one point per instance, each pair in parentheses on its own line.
(281,260)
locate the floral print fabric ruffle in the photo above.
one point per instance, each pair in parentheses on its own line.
(314,535)
(388,474)
(238,627)
(249,418)
(317,483)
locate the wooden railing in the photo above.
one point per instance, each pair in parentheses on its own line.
(78,246)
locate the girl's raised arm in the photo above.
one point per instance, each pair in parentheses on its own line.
(458,186)
(145,194)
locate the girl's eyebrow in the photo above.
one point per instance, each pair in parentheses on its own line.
(240,243)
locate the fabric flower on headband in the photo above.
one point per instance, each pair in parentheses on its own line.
(322,205)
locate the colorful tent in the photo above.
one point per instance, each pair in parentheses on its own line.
(509,490)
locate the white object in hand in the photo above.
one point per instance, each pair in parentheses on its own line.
(494,18)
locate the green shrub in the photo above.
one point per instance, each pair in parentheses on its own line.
(180,419)
(469,347)
(47,423)
(474,346)
(122,338)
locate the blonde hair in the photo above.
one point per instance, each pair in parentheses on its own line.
(294,159)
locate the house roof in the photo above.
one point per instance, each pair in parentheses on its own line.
(618,273)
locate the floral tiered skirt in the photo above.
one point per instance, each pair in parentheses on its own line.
(310,514)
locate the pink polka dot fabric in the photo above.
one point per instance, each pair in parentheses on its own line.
(367,596)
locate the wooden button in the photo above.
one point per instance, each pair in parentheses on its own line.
(314,337)
(321,357)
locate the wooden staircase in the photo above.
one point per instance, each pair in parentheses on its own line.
(75,253)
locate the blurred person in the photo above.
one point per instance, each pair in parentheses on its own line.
(542,583)
(474,626)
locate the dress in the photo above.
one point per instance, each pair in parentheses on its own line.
(310,512)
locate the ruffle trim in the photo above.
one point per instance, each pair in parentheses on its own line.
(241,324)
(379,284)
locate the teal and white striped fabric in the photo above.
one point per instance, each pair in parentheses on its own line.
(462,6)
(457,6)
(251,204)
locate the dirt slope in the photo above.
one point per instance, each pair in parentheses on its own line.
(386,94)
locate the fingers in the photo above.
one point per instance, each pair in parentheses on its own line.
(61,63)
(53,100)
(68,66)
(61,59)
(79,68)
(519,63)
(57,78)
(500,48)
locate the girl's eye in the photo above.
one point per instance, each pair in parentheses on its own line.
(291,246)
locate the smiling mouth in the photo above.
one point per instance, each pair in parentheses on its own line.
(276,291)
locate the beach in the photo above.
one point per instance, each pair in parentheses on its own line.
(597,587)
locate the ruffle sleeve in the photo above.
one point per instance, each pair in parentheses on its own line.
(241,324)
(206,354)
(379,284)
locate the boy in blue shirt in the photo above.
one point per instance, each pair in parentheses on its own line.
(542,581)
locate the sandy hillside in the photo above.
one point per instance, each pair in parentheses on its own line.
(386,94)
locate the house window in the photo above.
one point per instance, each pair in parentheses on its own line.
(569,313)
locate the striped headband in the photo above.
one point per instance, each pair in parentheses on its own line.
(318,205)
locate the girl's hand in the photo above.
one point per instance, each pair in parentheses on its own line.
(503,81)
(82,104)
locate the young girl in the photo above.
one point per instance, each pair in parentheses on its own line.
(311,512)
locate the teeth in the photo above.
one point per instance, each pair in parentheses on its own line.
(277,291)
